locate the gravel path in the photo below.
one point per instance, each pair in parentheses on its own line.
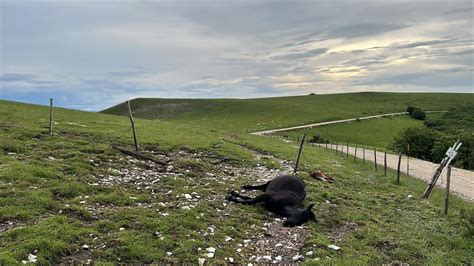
(271,131)
(462,181)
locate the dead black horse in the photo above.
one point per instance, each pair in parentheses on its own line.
(282,195)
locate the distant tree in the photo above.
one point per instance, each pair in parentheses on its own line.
(418,114)
(421,140)
(410,109)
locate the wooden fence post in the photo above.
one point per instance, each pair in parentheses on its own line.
(385,164)
(133,125)
(446,199)
(347,150)
(50,116)
(408,159)
(363,154)
(337,147)
(398,168)
(299,153)
(326,145)
(375,158)
(355,153)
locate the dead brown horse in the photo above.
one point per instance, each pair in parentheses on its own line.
(282,195)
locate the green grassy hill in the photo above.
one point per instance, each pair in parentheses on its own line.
(373,133)
(267,113)
(71,197)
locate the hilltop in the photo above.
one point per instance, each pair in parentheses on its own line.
(249,115)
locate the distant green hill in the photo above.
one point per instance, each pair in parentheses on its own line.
(265,113)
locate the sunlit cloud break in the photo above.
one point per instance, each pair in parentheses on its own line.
(91,55)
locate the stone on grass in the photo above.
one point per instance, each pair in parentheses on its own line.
(201,261)
(334,247)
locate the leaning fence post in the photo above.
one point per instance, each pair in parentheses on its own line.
(446,199)
(375,158)
(133,125)
(50,116)
(347,150)
(398,168)
(299,153)
(385,164)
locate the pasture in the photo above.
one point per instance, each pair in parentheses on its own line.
(71,197)
(251,115)
(372,133)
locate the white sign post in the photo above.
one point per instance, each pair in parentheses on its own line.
(450,154)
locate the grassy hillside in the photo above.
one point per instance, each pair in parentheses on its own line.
(70,197)
(267,113)
(377,133)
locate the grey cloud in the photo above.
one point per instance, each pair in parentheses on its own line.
(301,55)
(363,30)
(20,77)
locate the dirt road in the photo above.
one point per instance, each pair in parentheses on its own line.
(462,181)
(271,131)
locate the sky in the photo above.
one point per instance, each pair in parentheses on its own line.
(90,55)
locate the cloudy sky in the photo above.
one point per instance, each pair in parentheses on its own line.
(90,55)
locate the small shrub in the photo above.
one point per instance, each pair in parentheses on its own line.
(418,114)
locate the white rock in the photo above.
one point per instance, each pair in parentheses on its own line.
(279,245)
(231,259)
(210,255)
(169,253)
(278,258)
(185,208)
(201,261)
(267,257)
(32,258)
(246,241)
(239,250)
(228,238)
(187,196)
(334,247)
(211,250)
(121,229)
(297,257)
(410,196)
(309,253)
(85,247)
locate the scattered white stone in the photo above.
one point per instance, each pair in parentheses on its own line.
(297,257)
(187,196)
(186,208)
(32,258)
(309,253)
(228,238)
(410,196)
(122,228)
(85,247)
(334,247)
(211,250)
(201,261)
(210,255)
(279,245)
(169,253)
(246,241)
(231,260)
(82,202)
(239,250)
(327,201)
(278,258)
(267,257)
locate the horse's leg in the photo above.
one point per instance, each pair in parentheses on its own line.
(234,193)
(250,201)
(256,187)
